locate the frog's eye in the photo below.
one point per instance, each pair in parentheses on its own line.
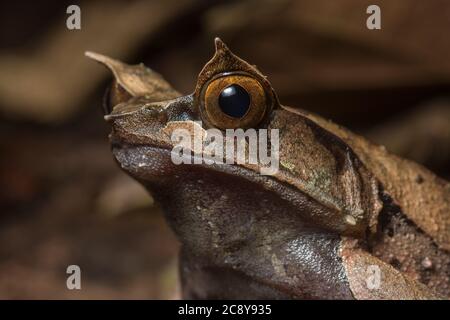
(232,101)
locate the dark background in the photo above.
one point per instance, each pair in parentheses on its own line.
(64,201)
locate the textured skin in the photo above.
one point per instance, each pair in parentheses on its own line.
(290,256)
(393,284)
(423,196)
(338,204)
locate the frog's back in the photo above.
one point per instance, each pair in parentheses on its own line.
(413,232)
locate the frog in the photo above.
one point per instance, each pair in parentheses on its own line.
(341,218)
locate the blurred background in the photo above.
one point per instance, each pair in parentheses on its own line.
(63,199)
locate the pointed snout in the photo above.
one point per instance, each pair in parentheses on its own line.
(134,87)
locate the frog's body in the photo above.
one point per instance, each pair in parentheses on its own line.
(339,215)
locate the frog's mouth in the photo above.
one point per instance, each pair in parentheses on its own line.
(158,158)
(153,166)
(153,162)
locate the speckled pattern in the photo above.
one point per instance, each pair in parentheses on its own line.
(411,251)
(337,205)
(422,196)
(392,284)
(256,236)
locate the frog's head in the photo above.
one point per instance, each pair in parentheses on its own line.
(237,213)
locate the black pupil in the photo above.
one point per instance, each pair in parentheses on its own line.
(234,101)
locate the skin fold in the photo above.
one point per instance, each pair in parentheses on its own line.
(341,219)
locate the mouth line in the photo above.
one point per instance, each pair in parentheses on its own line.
(167,149)
(118,144)
(224,168)
(161,166)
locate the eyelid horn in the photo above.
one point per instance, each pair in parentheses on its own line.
(224,62)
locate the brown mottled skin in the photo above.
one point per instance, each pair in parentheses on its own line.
(338,205)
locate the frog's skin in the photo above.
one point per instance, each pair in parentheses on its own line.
(338,206)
